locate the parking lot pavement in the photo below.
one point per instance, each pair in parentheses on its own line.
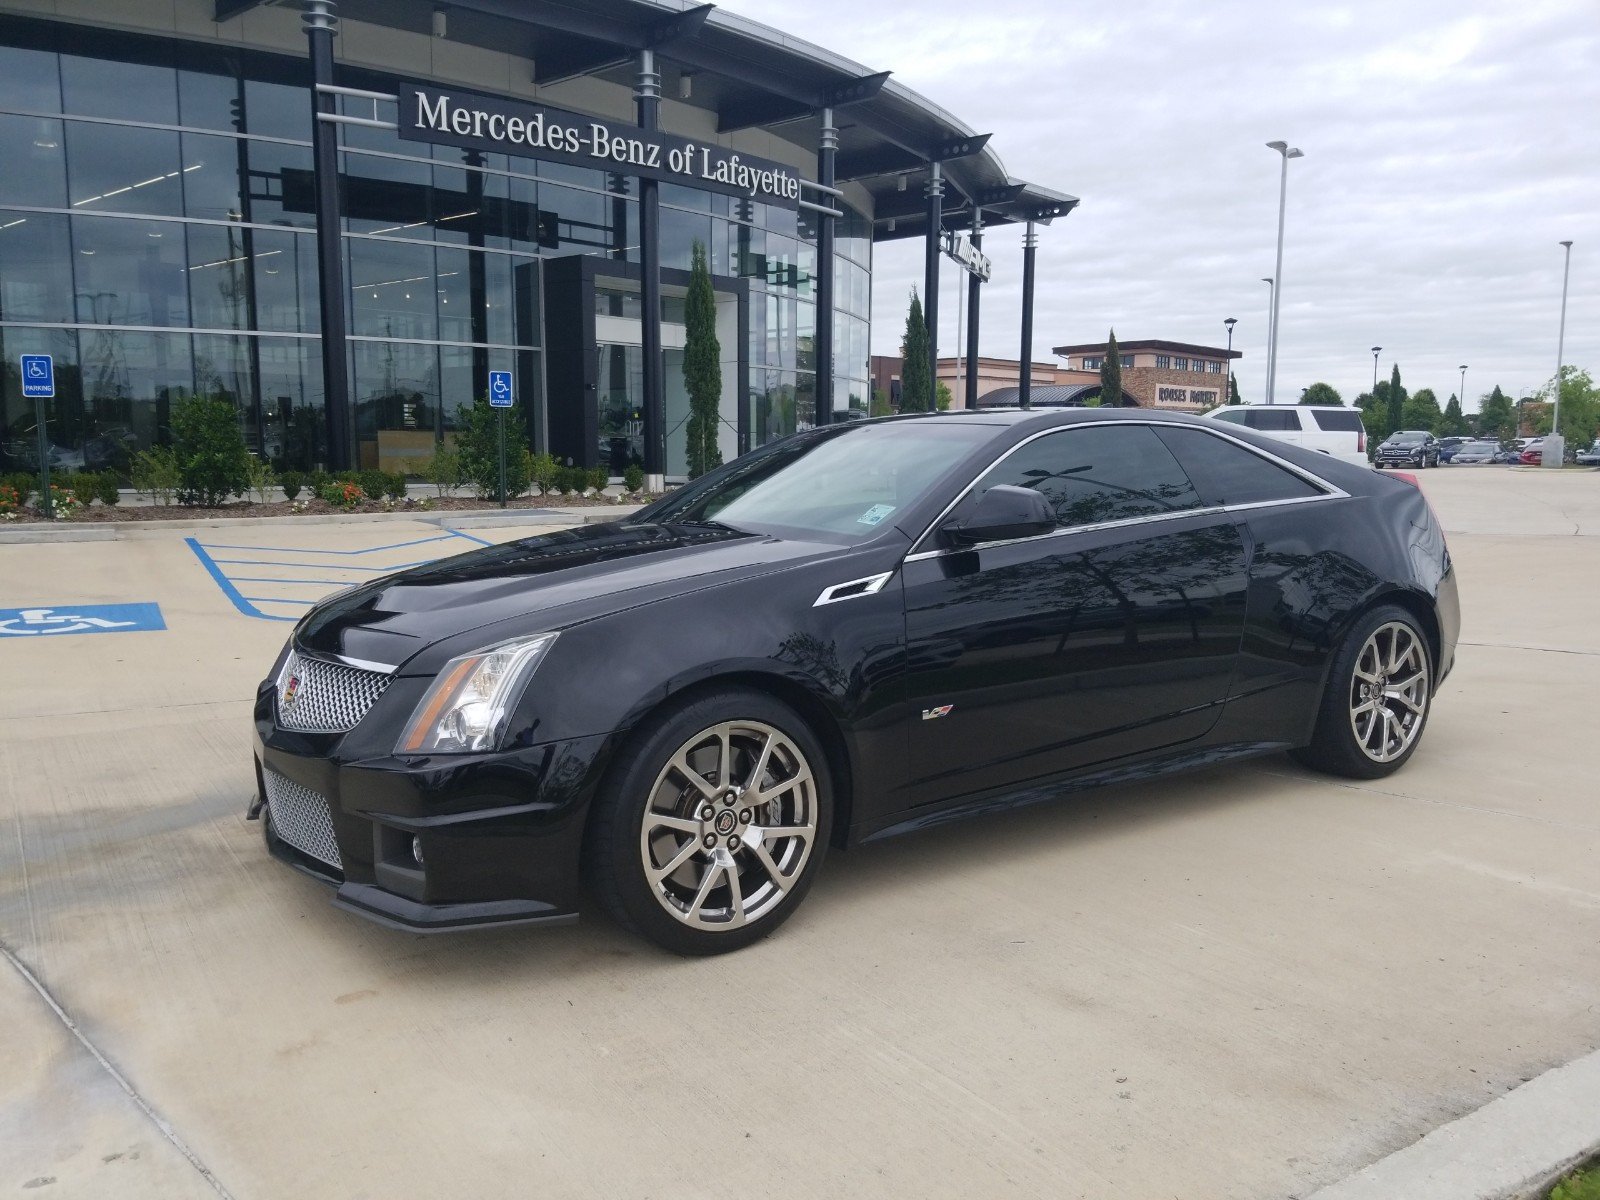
(1244,982)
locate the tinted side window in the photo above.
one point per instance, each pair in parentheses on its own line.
(1233,417)
(1227,473)
(1273,422)
(1342,422)
(1105,473)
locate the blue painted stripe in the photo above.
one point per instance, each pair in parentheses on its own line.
(470,538)
(306,550)
(232,593)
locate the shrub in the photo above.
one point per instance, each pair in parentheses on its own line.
(597,478)
(24,484)
(10,501)
(395,485)
(291,482)
(85,486)
(542,470)
(213,462)
(262,479)
(109,492)
(633,477)
(373,483)
(156,474)
(345,494)
(443,469)
(477,442)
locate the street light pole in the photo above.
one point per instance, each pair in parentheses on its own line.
(1230,322)
(1375,351)
(1287,152)
(1463,392)
(1271,287)
(1555,442)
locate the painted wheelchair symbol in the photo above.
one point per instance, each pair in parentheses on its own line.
(35,621)
(36,370)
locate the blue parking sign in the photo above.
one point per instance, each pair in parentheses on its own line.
(38,376)
(500,394)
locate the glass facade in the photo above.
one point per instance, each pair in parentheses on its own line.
(157,235)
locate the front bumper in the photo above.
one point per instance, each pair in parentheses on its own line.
(499,835)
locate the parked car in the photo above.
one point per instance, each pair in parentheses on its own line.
(1589,457)
(1408,448)
(858,631)
(1532,455)
(1330,429)
(1483,450)
(1448,446)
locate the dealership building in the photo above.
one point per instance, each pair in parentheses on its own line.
(346,217)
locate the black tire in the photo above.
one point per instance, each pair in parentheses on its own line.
(697,908)
(1338,746)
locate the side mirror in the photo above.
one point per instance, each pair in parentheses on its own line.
(1002,513)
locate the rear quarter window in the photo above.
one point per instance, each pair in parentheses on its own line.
(1267,421)
(1224,472)
(1339,422)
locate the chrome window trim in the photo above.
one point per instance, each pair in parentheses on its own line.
(1330,491)
(873,585)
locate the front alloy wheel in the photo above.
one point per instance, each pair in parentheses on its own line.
(729,826)
(712,822)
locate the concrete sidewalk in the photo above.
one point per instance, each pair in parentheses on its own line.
(1246,982)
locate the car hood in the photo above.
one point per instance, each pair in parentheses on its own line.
(551,581)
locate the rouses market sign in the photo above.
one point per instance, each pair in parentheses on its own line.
(517,127)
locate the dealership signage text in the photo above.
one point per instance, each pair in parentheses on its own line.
(515,127)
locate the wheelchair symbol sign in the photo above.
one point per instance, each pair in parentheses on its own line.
(92,618)
(500,395)
(38,376)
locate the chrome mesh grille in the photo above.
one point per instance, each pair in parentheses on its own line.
(300,817)
(323,697)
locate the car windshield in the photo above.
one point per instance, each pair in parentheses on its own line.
(833,485)
(1406,439)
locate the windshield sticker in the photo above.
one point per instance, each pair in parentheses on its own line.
(875,514)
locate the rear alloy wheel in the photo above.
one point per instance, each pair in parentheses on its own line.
(716,827)
(1377,700)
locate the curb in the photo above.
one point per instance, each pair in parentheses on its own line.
(1510,1149)
(470,518)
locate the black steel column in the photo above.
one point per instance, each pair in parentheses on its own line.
(1030,242)
(930,279)
(974,292)
(826,149)
(647,100)
(319,22)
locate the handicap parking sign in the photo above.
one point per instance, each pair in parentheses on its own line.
(500,395)
(80,618)
(38,376)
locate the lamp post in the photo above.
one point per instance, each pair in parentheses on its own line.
(1555,447)
(1271,287)
(1287,152)
(1463,392)
(1230,322)
(1375,351)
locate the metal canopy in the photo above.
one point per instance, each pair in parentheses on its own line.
(749,76)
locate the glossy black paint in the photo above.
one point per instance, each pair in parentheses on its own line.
(1079,657)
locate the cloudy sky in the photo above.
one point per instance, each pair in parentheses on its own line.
(1449,147)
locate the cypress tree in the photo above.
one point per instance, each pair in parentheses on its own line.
(1396,399)
(916,387)
(1111,375)
(702,368)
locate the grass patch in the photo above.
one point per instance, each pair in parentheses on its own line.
(1582,1184)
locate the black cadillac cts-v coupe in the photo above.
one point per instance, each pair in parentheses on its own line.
(855,632)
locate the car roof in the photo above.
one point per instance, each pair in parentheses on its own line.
(1043,416)
(1296,407)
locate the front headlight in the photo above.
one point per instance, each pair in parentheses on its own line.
(470,702)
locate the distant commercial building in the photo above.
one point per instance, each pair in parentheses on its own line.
(1178,376)
(993,374)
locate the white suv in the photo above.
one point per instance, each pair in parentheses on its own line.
(1335,431)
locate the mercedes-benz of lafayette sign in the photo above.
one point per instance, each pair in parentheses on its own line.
(455,118)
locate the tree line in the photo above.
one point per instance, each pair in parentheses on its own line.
(1390,407)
